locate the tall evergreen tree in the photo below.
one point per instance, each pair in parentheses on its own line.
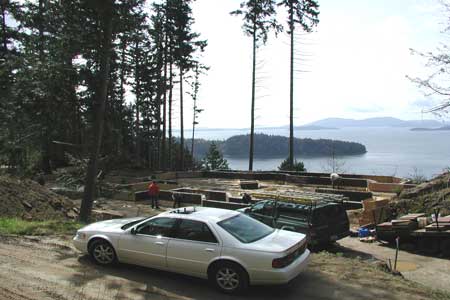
(104,10)
(259,18)
(304,13)
(186,44)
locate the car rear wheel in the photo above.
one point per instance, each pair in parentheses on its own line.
(102,252)
(229,277)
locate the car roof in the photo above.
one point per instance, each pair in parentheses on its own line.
(209,214)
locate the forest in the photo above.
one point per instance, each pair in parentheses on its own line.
(95,76)
(98,81)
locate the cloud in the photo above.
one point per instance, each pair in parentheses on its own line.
(357,62)
(366,109)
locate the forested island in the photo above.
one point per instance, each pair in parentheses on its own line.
(443,128)
(277,146)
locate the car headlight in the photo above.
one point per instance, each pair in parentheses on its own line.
(81,236)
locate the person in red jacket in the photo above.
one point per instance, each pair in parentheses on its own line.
(153,192)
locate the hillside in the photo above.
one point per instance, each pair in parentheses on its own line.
(374,122)
(278,146)
(426,197)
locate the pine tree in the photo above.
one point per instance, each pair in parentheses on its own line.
(259,19)
(186,44)
(105,10)
(305,13)
(214,159)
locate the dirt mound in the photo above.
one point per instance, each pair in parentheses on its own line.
(26,199)
(426,196)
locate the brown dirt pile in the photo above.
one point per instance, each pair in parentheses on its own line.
(426,196)
(26,199)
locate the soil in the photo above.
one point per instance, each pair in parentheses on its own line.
(29,200)
(426,197)
(50,268)
(425,270)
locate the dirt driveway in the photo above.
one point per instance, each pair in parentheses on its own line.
(49,268)
(430,271)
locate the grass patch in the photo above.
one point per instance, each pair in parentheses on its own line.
(22,227)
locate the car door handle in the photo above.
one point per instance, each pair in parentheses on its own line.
(209,250)
(160,243)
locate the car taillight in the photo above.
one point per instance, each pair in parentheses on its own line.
(282,262)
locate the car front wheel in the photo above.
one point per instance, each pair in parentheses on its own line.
(229,277)
(102,252)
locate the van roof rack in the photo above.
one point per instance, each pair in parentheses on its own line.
(305,198)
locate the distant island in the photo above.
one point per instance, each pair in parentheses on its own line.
(271,146)
(375,122)
(443,128)
(337,123)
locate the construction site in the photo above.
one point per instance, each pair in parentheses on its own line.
(397,244)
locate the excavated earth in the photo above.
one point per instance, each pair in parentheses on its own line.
(39,268)
(426,197)
(48,267)
(26,199)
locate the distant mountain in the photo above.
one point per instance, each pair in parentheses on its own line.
(313,127)
(375,122)
(444,128)
(303,127)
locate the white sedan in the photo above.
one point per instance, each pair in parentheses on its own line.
(227,247)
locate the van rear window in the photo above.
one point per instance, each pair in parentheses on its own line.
(324,214)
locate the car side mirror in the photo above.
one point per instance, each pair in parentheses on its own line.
(248,209)
(133,230)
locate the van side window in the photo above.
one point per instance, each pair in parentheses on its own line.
(258,208)
(268,208)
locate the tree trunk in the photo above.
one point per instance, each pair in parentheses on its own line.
(5,38)
(163,140)
(105,14)
(122,82)
(193,131)
(138,102)
(170,112)
(181,122)
(252,118)
(291,90)
(47,123)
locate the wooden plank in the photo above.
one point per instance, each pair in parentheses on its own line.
(412,217)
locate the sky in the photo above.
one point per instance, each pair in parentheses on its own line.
(354,64)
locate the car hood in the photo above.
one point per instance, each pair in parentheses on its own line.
(278,241)
(110,225)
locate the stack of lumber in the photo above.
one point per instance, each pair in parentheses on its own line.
(249,185)
(443,224)
(301,197)
(375,210)
(401,227)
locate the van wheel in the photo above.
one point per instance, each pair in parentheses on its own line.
(228,277)
(445,248)
(428,246)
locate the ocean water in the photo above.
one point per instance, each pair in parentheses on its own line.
(390,151)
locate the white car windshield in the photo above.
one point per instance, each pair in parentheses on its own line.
(245,229)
